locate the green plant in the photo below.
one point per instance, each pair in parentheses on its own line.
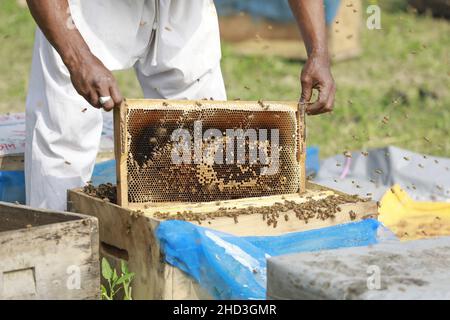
(116,282)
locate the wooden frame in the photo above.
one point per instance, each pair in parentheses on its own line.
(129,236)
(121,132)
(41,249)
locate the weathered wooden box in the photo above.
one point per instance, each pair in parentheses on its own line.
(256,37)
(130,235)
(47,254)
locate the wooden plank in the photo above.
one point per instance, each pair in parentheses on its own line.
(121,151)
(301,145)
(345,31)
(46,261)
(16,162)
(13,162)
(192,105)
(124,231)
(13,217)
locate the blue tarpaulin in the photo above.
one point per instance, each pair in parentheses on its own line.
(231,267)
(276,10)
(12,186)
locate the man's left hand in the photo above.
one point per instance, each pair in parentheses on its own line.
(316,74)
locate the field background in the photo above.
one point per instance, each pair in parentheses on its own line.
(403,74)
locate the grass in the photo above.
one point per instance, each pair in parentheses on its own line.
(403,74)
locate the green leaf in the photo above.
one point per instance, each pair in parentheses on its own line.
(107,272)
(125,278)
(114,277)
(124,266)
(105,295)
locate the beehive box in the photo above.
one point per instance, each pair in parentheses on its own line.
(267,38)
(152,187)
(200,151)
(47,254)
(130,235)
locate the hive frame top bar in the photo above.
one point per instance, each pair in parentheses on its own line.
(120,132)
(191,105)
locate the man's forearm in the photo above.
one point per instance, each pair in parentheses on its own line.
(316,73)
(54,19)
(310,16)
(89,76)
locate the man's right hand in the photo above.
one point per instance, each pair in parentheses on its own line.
(93,80)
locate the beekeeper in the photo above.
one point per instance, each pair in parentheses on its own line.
(174,47)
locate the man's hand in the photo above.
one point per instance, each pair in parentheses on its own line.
(316,75)
(93,80)
(89,76)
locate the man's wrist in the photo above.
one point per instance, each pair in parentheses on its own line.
(321,55)
(320,52)
(74,57)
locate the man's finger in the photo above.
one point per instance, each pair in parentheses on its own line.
(307,88)
(330,103)
(319,106)
(92,98)
(103,91)
(324,102)
(116,95)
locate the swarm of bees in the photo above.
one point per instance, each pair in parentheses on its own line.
(322,209)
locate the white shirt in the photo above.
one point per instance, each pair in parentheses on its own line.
(176,34)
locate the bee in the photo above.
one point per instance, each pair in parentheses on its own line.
(352,215)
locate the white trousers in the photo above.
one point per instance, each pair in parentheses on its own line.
(62,140)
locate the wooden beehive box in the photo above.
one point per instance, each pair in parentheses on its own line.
(130,235)
(44,253)
(128,228)
(229,150)
(258,37)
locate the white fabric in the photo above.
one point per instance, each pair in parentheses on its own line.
(178,60)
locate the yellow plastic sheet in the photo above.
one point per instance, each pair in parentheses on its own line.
(410,219)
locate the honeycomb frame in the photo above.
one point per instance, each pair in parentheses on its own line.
(141,124)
